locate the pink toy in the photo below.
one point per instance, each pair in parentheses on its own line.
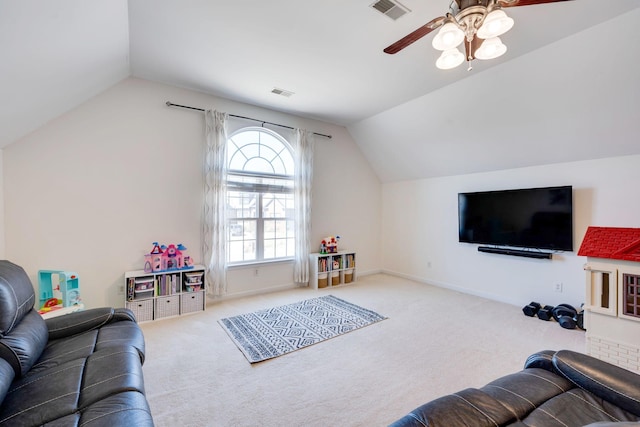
(153,260)
(172,257)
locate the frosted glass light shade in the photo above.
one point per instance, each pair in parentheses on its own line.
(450,59)
(490,49)
(495,24)
(449,37)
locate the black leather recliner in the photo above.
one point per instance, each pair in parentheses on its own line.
(561,388)
(83,368)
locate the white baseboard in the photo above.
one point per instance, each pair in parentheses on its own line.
(493,297)
(262,291)
(251,292)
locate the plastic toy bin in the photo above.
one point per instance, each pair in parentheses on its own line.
(142,310)
(167,306)
(192,302)
(144,294)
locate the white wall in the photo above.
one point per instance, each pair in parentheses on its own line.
(90,191)
(2,225)
(420,229)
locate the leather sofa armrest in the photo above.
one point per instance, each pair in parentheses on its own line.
(86,320)
(542,359)
(123,314)
(609,382)
(469,407)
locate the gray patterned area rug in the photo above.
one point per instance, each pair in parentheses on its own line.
(272,332)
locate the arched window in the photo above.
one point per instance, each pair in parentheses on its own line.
(259,196)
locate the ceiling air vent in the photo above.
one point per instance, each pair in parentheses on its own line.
(392,9)
(282,92)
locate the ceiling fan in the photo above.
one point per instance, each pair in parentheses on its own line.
(477,23)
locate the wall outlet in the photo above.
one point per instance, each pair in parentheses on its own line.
(256,272)
(558,287)
(121,290)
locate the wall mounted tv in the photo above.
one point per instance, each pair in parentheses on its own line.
(540,218)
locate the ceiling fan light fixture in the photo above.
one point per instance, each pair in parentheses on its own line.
(491,48)
(449,59)
(495,24)
(450,36)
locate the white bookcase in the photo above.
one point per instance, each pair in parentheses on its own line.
(327,270)
(153,296)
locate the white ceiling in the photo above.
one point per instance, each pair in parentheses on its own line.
(57,54)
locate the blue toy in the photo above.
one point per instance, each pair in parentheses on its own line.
(68,288)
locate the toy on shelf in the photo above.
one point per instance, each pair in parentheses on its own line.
(167,258)
(329,245)
(172,258)
(65,294)
(153,260)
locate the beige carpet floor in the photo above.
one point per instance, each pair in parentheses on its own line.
(435,341)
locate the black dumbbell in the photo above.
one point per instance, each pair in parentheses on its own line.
(545,313)
(568,317)
(531,309)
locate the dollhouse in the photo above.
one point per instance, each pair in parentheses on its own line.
(329,245)
(612,306)
(172,258)
(166,258)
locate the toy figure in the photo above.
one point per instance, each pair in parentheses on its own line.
(329,245)
(153,260)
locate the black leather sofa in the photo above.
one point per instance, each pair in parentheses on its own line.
(561,388)
(79,369)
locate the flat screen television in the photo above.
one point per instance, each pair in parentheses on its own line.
(540,218)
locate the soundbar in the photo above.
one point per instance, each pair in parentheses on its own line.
(515,252)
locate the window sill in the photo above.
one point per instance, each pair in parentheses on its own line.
(248,264)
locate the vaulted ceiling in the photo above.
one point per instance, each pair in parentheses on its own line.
(410,119)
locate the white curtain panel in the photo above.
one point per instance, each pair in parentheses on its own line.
(303,176)
(215,197)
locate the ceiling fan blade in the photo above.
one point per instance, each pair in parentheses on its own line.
(414,36)
(512,3)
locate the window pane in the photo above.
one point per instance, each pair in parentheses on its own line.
(281,229)
(250,230)
(249,250)
(251,150)
(258,164)
(267,206)
(245,137)
(234,203)
(235,251)
(281,248)
(269,249)
(235,230)
(242,250)
(277,205)
(269,229)
(242,204)
(274,144)
(241,238)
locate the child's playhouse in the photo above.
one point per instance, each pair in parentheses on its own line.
(167,258)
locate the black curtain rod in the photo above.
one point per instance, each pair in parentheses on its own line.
(171,104)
